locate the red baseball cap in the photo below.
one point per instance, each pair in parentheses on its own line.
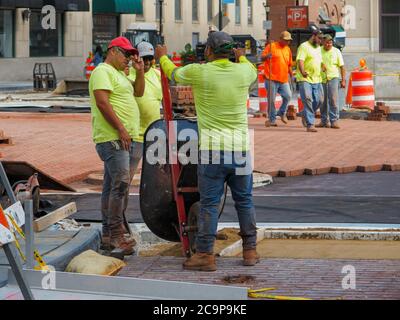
(123,43)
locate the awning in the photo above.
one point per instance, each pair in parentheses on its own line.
(118,6)
(60,5)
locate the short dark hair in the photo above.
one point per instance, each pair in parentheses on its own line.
(221,55)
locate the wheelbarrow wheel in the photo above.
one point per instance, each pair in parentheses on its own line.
(193,214)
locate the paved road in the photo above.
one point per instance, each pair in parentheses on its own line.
(349,198)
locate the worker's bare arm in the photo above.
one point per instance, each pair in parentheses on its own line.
(302,69)
(106,109)
(139,85)
(343,73)
(239,52)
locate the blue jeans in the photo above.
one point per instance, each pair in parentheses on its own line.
(119,169)
(312,96)
(330,107)
(211,181)
(284,90)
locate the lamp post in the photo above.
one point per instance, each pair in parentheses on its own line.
(160,4)
(267,10)
(268,41)
(220,16)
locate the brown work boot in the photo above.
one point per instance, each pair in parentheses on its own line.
(123,244)
(284,119)
(106,241)
(268,124)
(335,125)
(312,129)
(250,257)
(201,262)
(322,125)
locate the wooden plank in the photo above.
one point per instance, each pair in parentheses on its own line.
(53,217)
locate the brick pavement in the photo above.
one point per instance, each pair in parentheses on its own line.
(291,150)
(315,279)
(61,145)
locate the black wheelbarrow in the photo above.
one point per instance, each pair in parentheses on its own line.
(169,197)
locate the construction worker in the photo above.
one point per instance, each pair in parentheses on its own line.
(309,68)
(279,56)
(220,89)
(98,56)
(334,63)
(149,104)
(115,123)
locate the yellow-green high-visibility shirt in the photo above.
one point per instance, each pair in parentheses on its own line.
(312,57)
(333,61)
(220,90)
(149,104)
(106,77)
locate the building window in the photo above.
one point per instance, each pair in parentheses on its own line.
(237,12)
(140,16)
(195,10)
(249,11)
(195,39)
(178,10)
(225,11)
(6,33)
(45,42)
(390,12)
(105,28)
(157,10)
(210,10)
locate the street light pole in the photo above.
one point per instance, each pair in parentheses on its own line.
(161,2)
(267,9)
(220,16)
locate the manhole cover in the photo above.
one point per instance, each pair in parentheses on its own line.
(238,279)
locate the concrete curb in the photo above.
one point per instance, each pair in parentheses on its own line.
(333,234)
(236,248)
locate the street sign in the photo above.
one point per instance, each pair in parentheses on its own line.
(297,17)
(267,25)
(225,21)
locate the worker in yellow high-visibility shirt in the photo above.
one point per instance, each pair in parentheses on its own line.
(149,104)
(220,89)
(115,123)
(308,76)
(333,77)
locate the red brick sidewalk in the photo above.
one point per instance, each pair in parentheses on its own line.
(359,143)
(315,279)
(61,145)
(58,144)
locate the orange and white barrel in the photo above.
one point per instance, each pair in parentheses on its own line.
(278,102)
(262,92)
(300,107)
(88,71)
(362,90)
(177,60)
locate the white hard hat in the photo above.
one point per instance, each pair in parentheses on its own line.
(145,49)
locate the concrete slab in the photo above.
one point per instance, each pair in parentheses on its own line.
(16,86)
(59,247)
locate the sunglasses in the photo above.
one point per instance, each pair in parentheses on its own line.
(147,58)
(125,53)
